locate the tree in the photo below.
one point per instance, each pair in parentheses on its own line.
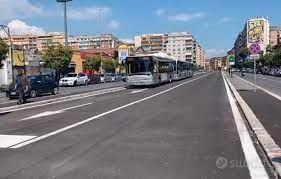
(109,65)
(4,49)
(93,63)
(57,58)
(276,59)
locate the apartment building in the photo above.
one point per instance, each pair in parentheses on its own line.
(178,44)
(151,43)
(94,41)
(274,35)
(50,39)
(26,41)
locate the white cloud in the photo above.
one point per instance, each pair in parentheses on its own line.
(215,52)
(225,20)
(11,9)
(184,17)
(160,12)
(114,24)
(18,27)
(88,13)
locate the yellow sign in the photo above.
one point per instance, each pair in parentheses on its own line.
(256,31)
(123,46)
(18,58)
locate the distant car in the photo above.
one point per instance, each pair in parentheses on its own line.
(116,77)
(74,79)
(104,78)
(94,79)
(124,76)
(39,84)
(259,71)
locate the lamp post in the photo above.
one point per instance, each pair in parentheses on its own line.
(100,52)
(65,21)
(7,31)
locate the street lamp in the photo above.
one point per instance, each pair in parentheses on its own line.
(65,21)
(100,52)
(7,31)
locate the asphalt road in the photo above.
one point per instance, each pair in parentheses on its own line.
(270,83)
(177,130)
(63,91)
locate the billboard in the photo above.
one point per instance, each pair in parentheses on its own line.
(123,53)
(18,58)
(256,31)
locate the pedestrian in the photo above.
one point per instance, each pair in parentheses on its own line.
(22,86)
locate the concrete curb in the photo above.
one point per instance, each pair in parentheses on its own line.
(271,149)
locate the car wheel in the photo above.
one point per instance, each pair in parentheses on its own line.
(86,83)
(75,83)
(33,93)
(55,91)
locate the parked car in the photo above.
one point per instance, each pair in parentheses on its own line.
(94,79)
(104,78)
(116,77)
(39,84)
(259,71)
(74,79)
(124,76)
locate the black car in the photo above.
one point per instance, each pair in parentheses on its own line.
(40,84)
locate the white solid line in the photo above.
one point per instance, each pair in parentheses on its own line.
(49,113)
(9,140)
(261,88)
(55,101)
(138,91)
(101,115)
(254,163)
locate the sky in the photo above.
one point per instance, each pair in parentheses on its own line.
(214,23)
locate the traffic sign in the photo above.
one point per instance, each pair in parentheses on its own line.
(254,57)
(231,59)
(255,49)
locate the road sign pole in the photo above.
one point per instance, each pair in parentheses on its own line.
(255,74)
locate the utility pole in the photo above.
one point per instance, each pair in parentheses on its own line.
(7,31)
(100,52)
(65,20)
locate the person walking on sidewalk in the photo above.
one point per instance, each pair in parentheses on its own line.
(22,87)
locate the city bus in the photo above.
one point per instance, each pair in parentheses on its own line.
(154,69)
(182,70)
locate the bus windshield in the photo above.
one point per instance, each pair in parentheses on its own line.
(140,65)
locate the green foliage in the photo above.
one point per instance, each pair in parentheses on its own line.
(4,49)
(57,57)
(109,65)
(272,58)
(93,63)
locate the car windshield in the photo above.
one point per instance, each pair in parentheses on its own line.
(71,75)
(140,65)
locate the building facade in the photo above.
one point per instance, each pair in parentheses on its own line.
(151,43)
(274,35)
(94,41)
(255,31)
(178,44)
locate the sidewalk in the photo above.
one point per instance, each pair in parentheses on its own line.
(266,120)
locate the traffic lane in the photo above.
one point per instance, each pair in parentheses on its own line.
(267,110)
(179,134)
(12,124)
(64,91)
(266,82)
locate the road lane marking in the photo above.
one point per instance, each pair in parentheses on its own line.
(7,141)
(49,113)
(55,101)
(254,162)
(138,91)
(102,114)
(261,88)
